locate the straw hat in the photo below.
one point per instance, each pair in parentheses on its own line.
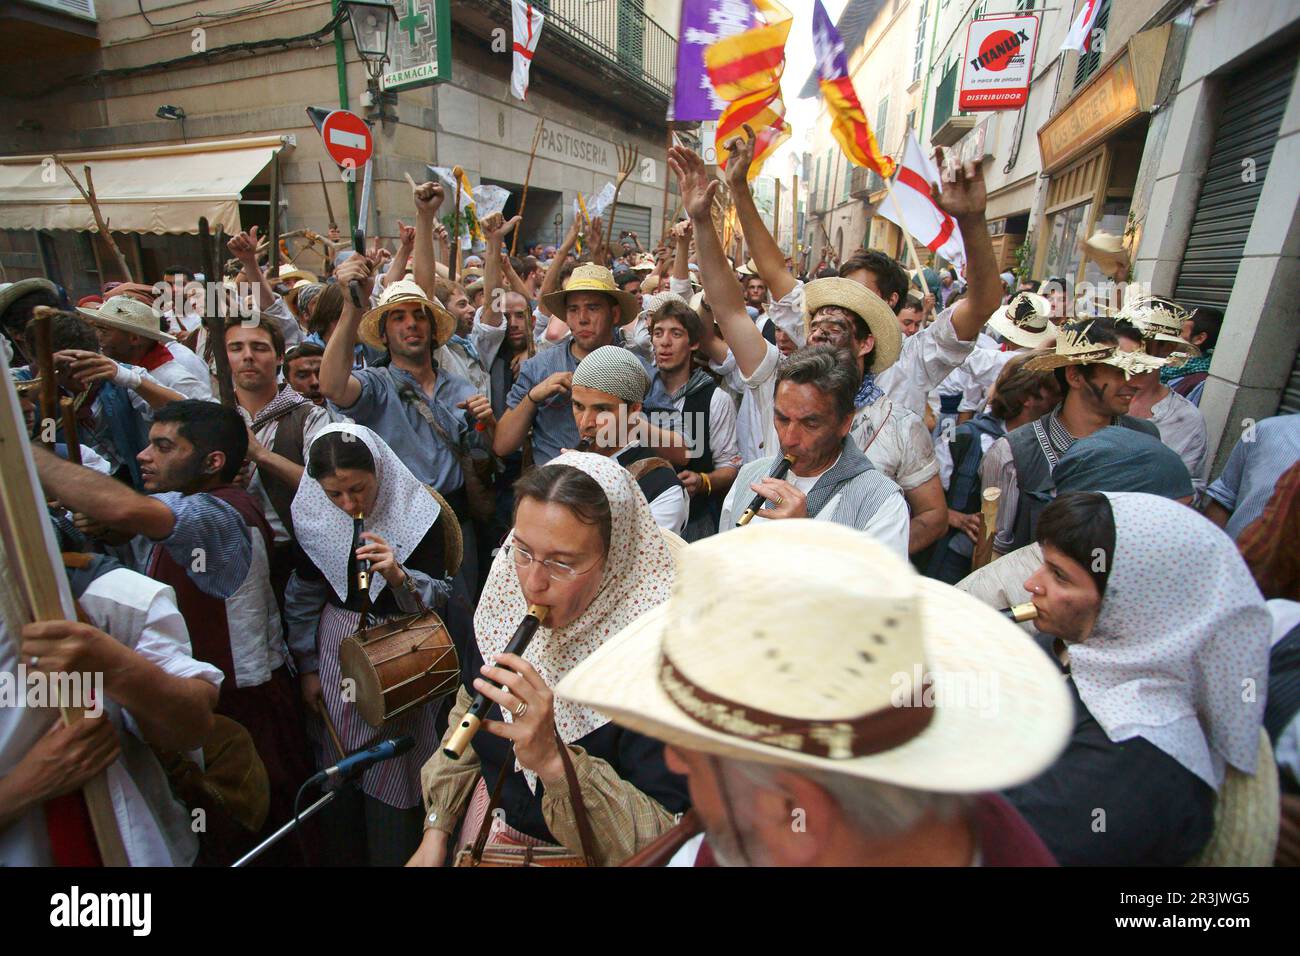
(652,303)
(290,273)
(593,278)
(863,303)
(402,291)
(1073,348)
(453,545)
(645,265)
(1157,319)
(1107,251)
(129,315)
(291,297)
(1245,815)
(11,292)
(1025,321)
(830,672)
(748,269)
(676,544)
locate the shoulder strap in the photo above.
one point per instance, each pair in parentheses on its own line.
(639,469)
(585,836)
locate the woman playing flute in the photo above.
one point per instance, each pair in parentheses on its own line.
(584,546)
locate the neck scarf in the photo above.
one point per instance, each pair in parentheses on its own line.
(1182,635)
(285,401)
(868,392)
(638,575)
(1172,373)
(404,511)
(464,342)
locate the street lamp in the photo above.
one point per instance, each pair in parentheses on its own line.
(371,20)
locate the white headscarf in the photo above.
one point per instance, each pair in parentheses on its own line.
(638,575)
(1179,654)
(404,511)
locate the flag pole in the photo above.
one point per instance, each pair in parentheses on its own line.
(907,234)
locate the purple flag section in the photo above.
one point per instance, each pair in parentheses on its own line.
(704,22)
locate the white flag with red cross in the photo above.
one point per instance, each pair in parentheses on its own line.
(527,28)
(910,207)
(1080,36)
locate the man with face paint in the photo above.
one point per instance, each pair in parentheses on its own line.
(212,544)
(1095,378)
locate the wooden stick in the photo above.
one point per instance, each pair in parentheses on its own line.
(273,230)
(330,728)
(453,257)
(665,223)
(41,318)
(627,156)
(71,440)
(216,326)
(88,194)
(329,209)
(35,580)
(523,200)
(988,527)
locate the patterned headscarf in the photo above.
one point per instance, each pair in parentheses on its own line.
(404,513)
(1179,654)
(638,575)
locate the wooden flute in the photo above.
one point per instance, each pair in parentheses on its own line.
(469,724)
(778,471)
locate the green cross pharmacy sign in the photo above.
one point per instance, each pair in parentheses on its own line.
(420,47)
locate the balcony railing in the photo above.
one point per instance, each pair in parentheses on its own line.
(948,127)
(626,41)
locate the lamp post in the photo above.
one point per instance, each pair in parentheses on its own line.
(371,20)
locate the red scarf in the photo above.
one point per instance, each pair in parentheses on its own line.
(156,356)
(72,835)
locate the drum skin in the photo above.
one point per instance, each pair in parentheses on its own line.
(399,664)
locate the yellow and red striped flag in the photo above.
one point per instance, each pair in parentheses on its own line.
(746,71)
(849,123)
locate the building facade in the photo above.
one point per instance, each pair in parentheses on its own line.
(242,79)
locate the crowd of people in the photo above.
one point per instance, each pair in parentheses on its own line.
(746,503)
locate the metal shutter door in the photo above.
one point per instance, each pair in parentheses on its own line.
(1290,404)
(1254,101)
(632,219)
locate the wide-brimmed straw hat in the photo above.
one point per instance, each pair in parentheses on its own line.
(129,315)
(1107,251)
(1073,348)
(1025,321)
(866,305)
(453,544)
(11,292)
(291,273)
(593,278)
(399,293)
(857,666)
(748,269)
(1157,319)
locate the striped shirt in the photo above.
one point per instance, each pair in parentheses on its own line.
(1263,453)
(210,540)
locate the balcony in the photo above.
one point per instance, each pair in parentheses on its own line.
(948,127)
(608,47)
(863,182)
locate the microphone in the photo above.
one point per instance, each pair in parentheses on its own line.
(349,767)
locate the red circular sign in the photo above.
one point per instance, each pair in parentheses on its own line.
(1010,44)
(347,138)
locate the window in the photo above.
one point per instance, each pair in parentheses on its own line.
(1024,5)
(874,181)
(817,179)
(911,119)
(830,178)
(1088,62)
(918,53)
(844,177)
(1065,242)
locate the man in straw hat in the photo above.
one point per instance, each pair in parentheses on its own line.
(858,716)
(592,305)
(609,387)
(134,345)
(1095,379)
(831,479)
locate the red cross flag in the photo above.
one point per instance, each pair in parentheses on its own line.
(910,207)
(527,28)
(1080,35)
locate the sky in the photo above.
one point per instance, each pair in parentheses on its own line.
(799,62)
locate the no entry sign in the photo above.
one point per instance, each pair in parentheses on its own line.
(999,63)
(347,138)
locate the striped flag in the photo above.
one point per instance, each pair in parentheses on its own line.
(1080,36)
(849,123)
(910,206)
(527,23)
(746,69)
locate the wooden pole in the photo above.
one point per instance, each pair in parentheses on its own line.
(216,327)
(273,229)
(88,194)
(523,200)
(41,317)
(454,256)
(36,584)
(71,440)
(776,214)
(665,223)
(907,237)
(794,222)
(988,526)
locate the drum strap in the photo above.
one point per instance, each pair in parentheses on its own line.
(585,836)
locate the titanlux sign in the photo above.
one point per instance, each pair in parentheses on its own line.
(999,63)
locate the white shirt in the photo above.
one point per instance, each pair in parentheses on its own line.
(191,362)
(142,614)
(671,508)
(1182,428)
(889,525)
(926,359)
(316,419)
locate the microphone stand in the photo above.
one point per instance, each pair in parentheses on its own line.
(285,830)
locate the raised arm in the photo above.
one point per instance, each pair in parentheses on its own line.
(720,286)
(244,248)
(964,199)
(337,382)
(551,281)
(767,255)
(495,229)
(397,267)
(102,498)
(428,199)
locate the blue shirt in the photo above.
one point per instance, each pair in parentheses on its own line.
(553,425)
(210,541)
(1254,468)
(399,423)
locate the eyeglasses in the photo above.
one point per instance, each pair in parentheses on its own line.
(556,569)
